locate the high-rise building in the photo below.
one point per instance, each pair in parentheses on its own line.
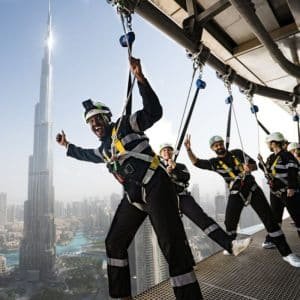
(3,208)
(220,204)
(11,213)
(2,264)
(151,267)
(37,252)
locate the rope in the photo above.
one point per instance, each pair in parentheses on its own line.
(186,103)
(239,134)
(127,104)
(128,19)
(254,111)
(197,64)
(296,119)
(229,100)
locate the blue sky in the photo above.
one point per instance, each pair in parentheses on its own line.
(88,62)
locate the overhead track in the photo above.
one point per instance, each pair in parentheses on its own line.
(156,17)
(247,10)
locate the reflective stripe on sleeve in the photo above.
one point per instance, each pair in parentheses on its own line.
(133,123)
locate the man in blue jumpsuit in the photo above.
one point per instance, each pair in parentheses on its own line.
(148,191)
(235,167)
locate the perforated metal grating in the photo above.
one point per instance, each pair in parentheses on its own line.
(256,274)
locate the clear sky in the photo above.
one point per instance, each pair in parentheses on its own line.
(88,62)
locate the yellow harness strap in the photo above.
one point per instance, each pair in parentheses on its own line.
(154,163)
(226,168)
(117,143)
(274,165)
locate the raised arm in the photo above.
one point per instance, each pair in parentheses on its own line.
(188,147)
(200,163)
(152,110)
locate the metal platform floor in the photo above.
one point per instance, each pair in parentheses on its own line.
(256,274)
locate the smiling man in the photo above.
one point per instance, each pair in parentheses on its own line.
(148,191)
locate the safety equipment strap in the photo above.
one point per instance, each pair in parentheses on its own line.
(296,119)
(229,170)
(126,20)
(200,84)
(120,153)
(254,109)
(228,78)
(273,167)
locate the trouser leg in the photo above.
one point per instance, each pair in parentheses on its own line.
(125,224)
(293,207)
(232,214)
(194,212)
(262,208)
(277,207)
(163,212)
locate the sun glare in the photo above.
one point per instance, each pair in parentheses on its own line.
(50,41)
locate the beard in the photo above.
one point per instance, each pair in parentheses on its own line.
(221,151)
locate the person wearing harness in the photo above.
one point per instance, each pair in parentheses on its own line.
(180,176)
(235,167)
(294,148)
(148,191)
(282,174)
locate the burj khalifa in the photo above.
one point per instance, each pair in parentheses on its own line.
(37,251)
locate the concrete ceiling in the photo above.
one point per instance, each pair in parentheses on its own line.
(240,48)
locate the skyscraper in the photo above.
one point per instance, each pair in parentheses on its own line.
(3,208)
(37,252)
(151,266)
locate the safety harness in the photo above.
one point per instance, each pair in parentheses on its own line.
(278,193)
(120,154)
(237,178)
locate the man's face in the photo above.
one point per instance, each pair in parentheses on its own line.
(97,125)
(166,153)
(270,145)
(219,148)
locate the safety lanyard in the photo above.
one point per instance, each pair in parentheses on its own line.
(126,40)
(254,109)
(229,170)
(200,84)
(228,79)
(297,120)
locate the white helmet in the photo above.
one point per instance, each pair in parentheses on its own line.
(293,146)
(95,108)
(215,139)
(165,145)
(275,137)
